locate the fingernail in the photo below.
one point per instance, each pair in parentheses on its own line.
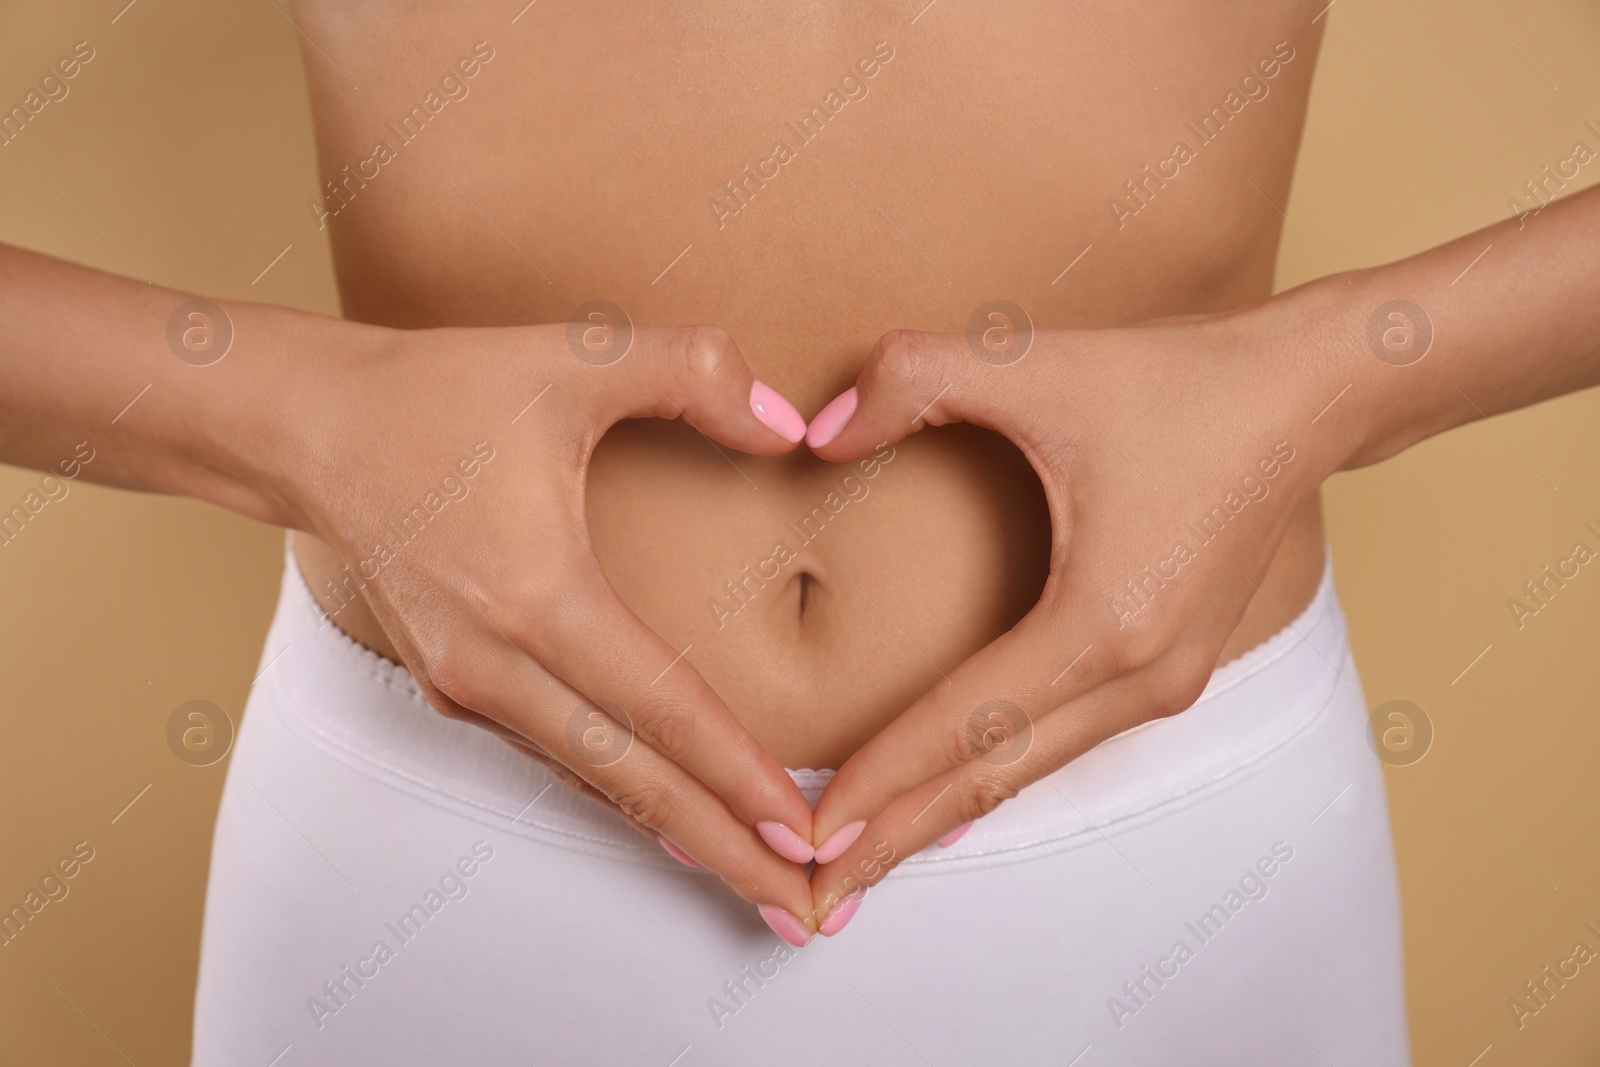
(677,853)
(777,413)
(785,925)
(785,842)
(842,838)
(831,419)
(842,914)
(954,835)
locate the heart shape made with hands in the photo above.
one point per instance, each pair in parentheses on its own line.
(981,652)
(819,599)
(579,579)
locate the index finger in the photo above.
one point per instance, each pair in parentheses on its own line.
(917,816)
(490,677)
(987,707)
(582,631)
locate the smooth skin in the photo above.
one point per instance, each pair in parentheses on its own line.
(976,163)
(514,639)
(1139,432)
(1020,121)
(499,608)
(591,153)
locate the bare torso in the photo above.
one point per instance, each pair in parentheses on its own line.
(591,157)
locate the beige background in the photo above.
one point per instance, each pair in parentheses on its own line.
(187,143)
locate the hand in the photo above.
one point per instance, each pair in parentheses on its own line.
(447,469)
(1140,436)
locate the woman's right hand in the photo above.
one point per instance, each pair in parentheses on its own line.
(447,468)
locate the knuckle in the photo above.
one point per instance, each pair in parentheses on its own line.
(455,671)
(1181,677)
(1139,643)
(902,357)
(998,732)
(666,726)
(528,622)
(533,615)
(967,733)
(500,602)
(984,792)
(959,744)
(646,804)
(702,355)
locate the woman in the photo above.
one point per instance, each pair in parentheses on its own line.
(671,616)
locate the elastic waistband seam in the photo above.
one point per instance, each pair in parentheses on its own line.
(429,792)
(345,650)
(348,652)
(1259,657)
(1234,773)
(345,653)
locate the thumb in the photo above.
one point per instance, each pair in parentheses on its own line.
(914,379)
(697,372)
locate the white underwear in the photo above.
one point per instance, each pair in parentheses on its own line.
(392,887)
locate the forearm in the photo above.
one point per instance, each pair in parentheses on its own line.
(87,358)
(1519,325)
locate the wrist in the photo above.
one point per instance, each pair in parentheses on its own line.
(1342,353)
(267,424)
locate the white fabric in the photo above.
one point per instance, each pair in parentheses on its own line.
(1050,931)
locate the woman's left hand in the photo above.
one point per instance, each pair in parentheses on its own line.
(1173,456)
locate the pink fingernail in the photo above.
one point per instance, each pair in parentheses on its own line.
(954,835)
(785,925)
(842,838)
(842,914)
(777,413)
(677,853)
(832,419)
(785,842)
